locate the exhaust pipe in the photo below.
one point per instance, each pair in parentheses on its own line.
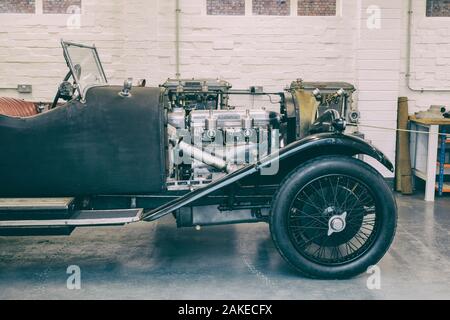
(199,154)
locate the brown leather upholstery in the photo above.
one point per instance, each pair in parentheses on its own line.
(17,108)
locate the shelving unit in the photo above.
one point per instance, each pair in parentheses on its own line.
(443,164)
(446,165)
(426,147)
(445,187)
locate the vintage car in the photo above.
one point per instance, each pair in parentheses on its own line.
(105,155)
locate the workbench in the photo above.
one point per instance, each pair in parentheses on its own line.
(424,150)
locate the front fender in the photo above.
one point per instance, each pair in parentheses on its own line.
(328,144)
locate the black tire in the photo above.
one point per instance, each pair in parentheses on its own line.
(296,214)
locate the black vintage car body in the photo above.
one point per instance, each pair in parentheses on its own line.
(106,145)
(112,155)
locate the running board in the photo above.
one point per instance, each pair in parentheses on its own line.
(35,204)
(83,218)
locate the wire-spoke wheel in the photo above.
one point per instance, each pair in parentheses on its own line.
(333,217)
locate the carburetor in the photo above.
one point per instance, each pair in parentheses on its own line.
(196,94)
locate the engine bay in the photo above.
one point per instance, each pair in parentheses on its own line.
(213,129)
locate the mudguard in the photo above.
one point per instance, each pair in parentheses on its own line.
(297,152)
(329,144)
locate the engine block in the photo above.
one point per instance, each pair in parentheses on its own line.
(211,137)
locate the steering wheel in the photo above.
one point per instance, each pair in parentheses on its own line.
(66,89)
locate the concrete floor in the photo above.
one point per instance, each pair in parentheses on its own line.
(158,261)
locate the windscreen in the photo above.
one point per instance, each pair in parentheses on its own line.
(85,65)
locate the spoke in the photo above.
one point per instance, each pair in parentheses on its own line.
(347,188)
(312,227)
(359,236)
(354,223)
(321,251)
(346,248)
(349,193)
(338,253)
(313,223)
(333,250)
(354,216)
(332,189)
(311,202)
(337,191)
(352,246)
(323,194)
(313,217)
(358,201)
(364,218)
(311,239)
(368,229)
(323,244)
(296,234)
(360,209)
(308,222)
(368,223)
(324,201)
(357,239)
(361,231)
(317,250)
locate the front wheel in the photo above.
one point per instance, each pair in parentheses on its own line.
(333,217)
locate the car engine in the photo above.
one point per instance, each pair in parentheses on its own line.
(213,129)
(209,137)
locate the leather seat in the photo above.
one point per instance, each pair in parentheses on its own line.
(17,108)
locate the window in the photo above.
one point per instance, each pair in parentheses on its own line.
(17,6)
(48,6)
(225,7)
(271,7)
(61,6)
(438,8)
(316,7)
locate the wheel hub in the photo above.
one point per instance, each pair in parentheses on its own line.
(337,223)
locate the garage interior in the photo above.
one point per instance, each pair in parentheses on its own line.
(392,60)
(159,261)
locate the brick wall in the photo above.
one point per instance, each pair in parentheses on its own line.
(378,72)
(60,6)
(430,59)
(438,8)
(17,6)
(271,7)
(30,51)
(257,49)
(225,7)
(246,50)
(316,7)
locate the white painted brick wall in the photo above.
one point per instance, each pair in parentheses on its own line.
(430,57)
(378,63)
(136,38)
